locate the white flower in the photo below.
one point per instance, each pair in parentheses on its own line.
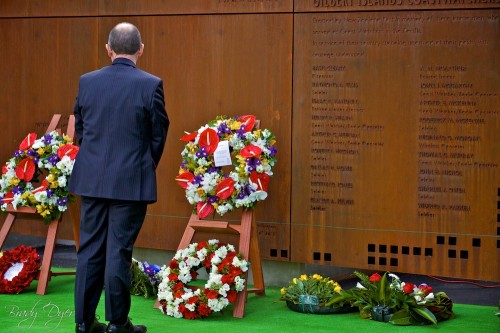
(360,286)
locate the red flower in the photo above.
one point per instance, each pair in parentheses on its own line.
(204,310)
(425,288)
(194,275)
(8,198)
(204,209)
(173,277)
(193,300)
(209,139)
(67,150)
(201,245)
(189,136)
(188,314)
(179,293)
(374,278)
(261,179)
(248,121)
(227,279)
(42,187)
(208,260)
(211,294)
(4,169)
(184,178)
(173,264)
(28,141)
(31,264)
(408,287)
(231,296)
(250,151)
(25,169)
(225,188)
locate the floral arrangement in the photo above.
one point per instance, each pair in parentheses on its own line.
(145,279)
(252,153)
(52,156)
(310,294)
(18,267)
(386,298)
(226,278)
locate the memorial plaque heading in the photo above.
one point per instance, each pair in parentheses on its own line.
(374,5)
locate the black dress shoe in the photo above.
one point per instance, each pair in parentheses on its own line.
(94,327)
(128,327)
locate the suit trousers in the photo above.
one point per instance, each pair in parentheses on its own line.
(108,230)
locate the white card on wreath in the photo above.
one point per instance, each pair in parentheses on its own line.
(222,156)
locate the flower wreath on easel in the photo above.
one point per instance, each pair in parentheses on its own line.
(18,267)
(52,155)
(227,141)
(226,278)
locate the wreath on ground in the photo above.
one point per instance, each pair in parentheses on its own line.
(18,267)
(227,141)
(51,156)
(226,270)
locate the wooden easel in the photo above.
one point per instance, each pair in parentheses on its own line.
(45,273)
(248,247)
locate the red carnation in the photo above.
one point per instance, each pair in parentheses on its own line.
(173,277)
(408,287)
(211,294)
(204,310)
(374,278)
(231,296)
(425,288)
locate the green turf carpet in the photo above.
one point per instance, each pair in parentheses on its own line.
(53,312)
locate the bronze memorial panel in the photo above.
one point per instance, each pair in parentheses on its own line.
(396,127)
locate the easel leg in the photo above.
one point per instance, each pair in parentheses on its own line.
(45,272)
(7,224)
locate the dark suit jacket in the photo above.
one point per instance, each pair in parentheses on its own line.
(121,125)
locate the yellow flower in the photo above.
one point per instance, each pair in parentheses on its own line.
(337,288)
(235,125)
(317,277)
(283,291)
(303,277)
(51,178)
(294,280)
(14,181)
(40,151)
(67,138)
(200,191)
(272,142)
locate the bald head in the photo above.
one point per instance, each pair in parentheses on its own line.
(125,38)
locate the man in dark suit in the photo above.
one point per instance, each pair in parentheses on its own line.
(121,125)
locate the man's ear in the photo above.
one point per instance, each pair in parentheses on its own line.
(109,50)
(141,50)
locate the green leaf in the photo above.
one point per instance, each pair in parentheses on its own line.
(402,318)
(425,313)
(382,283)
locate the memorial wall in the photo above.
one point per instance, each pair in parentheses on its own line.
(386,114)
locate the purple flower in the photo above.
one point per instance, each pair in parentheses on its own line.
(18,153)
(50,193)
(60,201)
(212,199)
(53,159)
(47,138)
(202,152)
(197,179)
(273,151)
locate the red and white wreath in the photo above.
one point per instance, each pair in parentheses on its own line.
(18,267)
(226,278)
